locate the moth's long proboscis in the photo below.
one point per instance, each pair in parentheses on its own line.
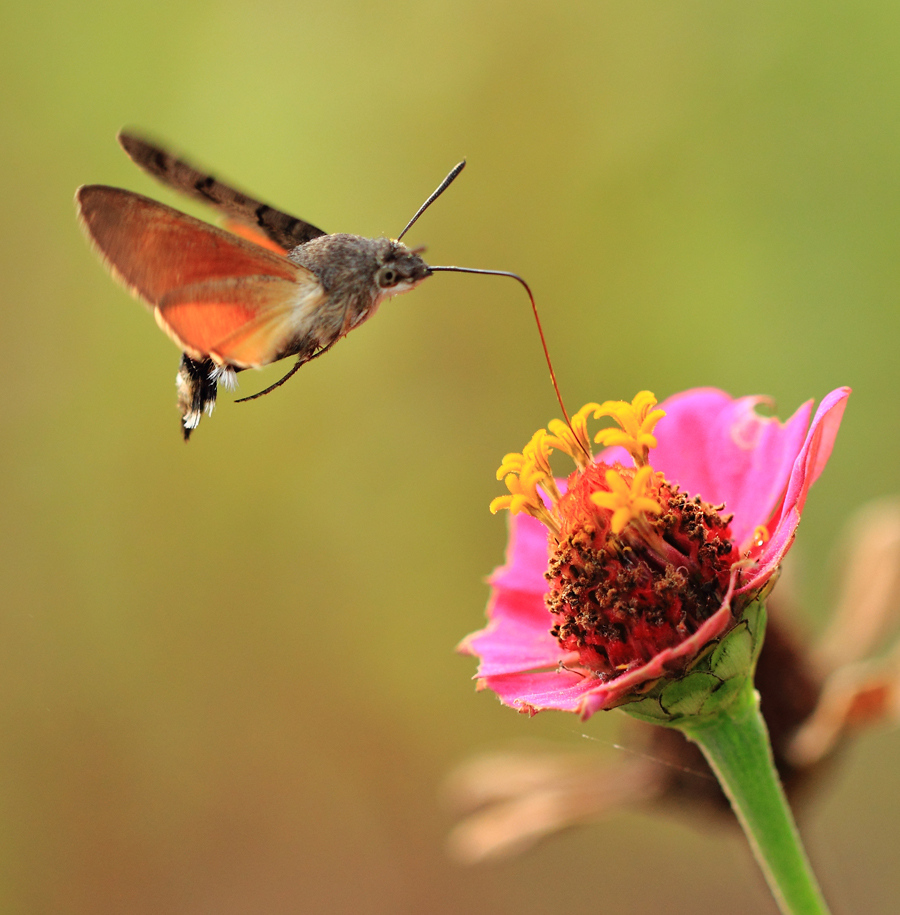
(534,310)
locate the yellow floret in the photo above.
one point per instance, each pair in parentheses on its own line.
(573,439)
(637,421)
(628,502)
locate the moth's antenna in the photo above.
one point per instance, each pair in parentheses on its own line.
(537,319)
(441,188)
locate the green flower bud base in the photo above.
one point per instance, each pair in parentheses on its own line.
(713,682)
(715,705)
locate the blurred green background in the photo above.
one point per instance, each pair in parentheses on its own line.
(227,680)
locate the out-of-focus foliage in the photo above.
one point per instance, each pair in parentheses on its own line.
(227,677)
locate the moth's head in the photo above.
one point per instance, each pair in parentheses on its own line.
(365,269)
(399,268)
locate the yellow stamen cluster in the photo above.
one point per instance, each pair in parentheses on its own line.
(627,502)
(524,472)
(572,437)
(637,420)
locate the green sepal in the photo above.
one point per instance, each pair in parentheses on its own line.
(711,684)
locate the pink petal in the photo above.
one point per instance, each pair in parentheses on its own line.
(526,557)
(809,464)
(722,450)
(533,692)
(517,637)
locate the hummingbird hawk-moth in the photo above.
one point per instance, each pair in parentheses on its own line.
(267,287)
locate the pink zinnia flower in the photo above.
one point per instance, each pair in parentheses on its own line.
(625,575)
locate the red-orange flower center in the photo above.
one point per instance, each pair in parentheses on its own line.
(619,597)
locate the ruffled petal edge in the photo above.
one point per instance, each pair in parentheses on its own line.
(807,467)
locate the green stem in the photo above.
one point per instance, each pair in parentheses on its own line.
(736,745)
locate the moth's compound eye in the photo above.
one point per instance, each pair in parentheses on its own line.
(387,277)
